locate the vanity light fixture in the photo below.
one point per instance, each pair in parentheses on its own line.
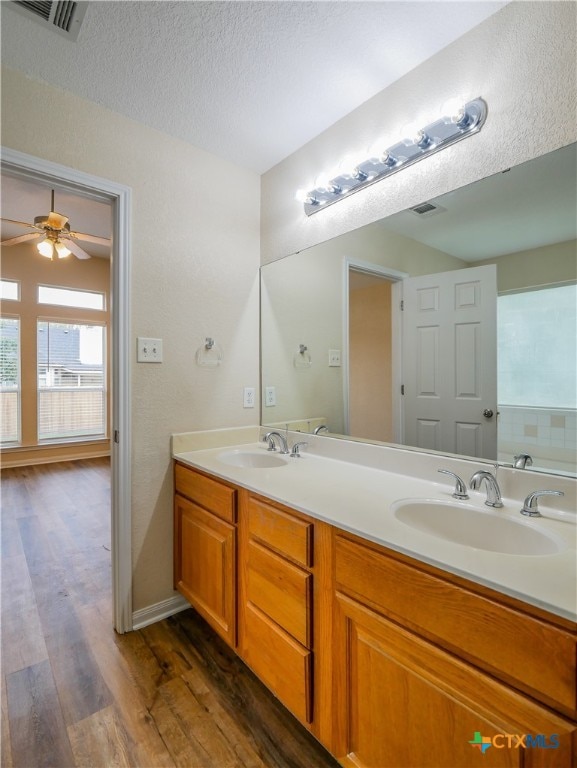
(441,133)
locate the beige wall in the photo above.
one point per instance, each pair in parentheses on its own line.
(195,229)
(521,61)
(549,265)
(23,263)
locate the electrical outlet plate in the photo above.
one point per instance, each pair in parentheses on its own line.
(269,396)
(249,397)
(334,358)
(148,350)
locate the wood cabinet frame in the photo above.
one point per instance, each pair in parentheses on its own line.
(364,625)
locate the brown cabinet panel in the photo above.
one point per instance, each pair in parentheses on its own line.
(281,663)
(538,657)
(211,494)
(280,531)
(281,590)
(403,702)
(205,565)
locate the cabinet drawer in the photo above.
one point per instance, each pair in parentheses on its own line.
(280,531)
(282,664)
(281,590)
(210,494)
(502,639)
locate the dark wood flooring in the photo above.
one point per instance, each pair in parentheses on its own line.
(74,693)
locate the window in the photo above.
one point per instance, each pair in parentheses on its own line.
(68,297)
(10,289)
(71,380)
(540,335)
(9,380)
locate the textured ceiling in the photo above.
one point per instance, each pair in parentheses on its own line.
(248,81)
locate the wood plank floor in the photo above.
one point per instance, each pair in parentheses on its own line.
(74,693)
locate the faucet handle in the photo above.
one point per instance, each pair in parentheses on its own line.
(530,507)
(460,491)
(295,450)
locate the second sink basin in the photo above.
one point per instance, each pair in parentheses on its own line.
(239,457)
(463,524)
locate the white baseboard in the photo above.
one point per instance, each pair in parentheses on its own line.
(153,613)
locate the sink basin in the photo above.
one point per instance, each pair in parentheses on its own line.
(471,527)
(253,459)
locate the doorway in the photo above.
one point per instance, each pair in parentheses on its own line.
(27,167)
(371,377)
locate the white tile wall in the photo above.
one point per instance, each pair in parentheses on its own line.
(548,434)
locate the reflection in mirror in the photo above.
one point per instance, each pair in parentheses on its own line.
(481,359)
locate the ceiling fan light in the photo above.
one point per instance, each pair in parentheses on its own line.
(61,250)
(45,248)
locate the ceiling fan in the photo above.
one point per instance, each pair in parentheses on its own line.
(57,237)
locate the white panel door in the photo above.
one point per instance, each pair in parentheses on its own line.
(449,362)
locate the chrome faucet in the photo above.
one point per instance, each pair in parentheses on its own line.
(493,490)
(320,428)
(460,491)
(522,460)
(530,507)
(270,439)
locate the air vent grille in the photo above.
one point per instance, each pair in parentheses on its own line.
(424,210)
(40,9)
(63,16)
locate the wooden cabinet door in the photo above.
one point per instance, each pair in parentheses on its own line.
(205,565)
(401,702)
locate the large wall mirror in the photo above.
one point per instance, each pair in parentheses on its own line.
(450,327)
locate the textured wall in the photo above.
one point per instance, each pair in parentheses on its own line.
(521,61)
(194,274)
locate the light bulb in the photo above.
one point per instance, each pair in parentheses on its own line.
(410,131)
(305,197)
(349,168)
(375,153)
(61,250)
(322,182)
(422,140)
(452,108)
(45,248)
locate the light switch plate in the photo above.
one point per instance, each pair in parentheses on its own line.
(148,350)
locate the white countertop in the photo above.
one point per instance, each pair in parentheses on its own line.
(358,499)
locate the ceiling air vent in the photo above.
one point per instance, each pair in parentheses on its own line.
(62,16)
(424,210)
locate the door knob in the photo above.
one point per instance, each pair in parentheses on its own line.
(487,413)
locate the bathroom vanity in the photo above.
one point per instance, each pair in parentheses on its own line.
(394,647)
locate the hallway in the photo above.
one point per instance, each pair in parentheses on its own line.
(74,693)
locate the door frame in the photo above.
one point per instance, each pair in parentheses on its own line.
(350,263)
(34,168)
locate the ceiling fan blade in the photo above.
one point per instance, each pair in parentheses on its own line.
(56,220)
(21,223)
(88,238)
(21,238)
(76,249)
